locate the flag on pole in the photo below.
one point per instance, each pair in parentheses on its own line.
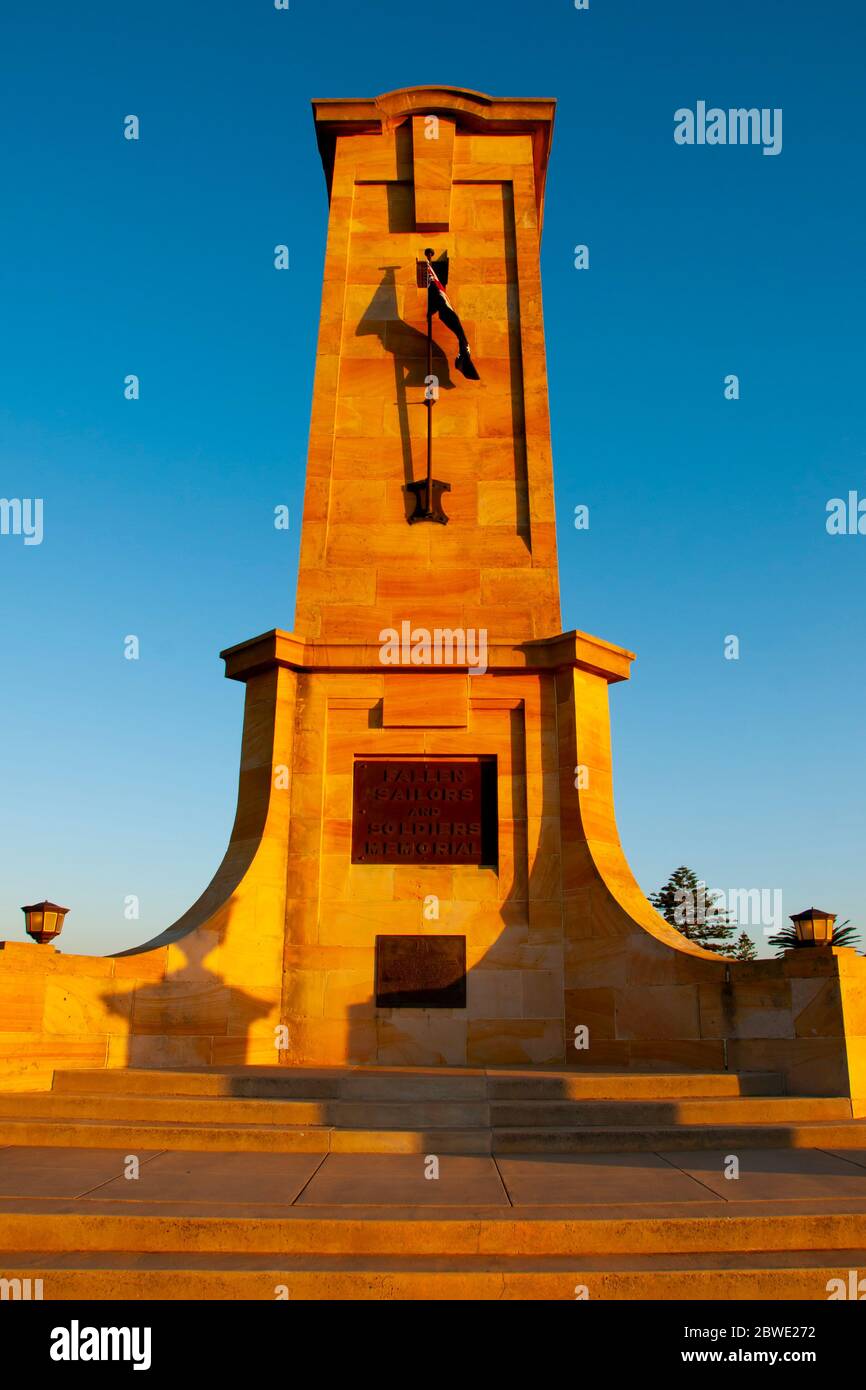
(439,303)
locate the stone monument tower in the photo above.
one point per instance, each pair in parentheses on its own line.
(424,867)
(427,660)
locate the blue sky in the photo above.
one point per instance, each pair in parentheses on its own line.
(707,516)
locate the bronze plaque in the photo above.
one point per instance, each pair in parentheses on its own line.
(424,811)
(421,972)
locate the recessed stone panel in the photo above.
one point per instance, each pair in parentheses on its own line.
(421,972)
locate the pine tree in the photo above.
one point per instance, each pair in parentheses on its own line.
(686,904)
(745,949)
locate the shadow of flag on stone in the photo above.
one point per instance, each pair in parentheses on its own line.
(439,303)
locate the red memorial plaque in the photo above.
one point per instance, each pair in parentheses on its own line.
(424,811)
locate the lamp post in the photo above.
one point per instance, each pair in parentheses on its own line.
(44,921)
(814,927)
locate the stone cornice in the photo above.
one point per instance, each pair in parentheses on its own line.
(566,651)
(474,112)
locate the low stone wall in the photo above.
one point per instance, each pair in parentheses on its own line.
(803,1016)
(59,1011)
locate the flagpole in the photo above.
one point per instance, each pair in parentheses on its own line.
(430,398)
(428,494)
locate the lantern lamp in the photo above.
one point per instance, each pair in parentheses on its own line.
(814,927)
(44,921)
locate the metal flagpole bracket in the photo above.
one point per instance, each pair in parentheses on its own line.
(423,511)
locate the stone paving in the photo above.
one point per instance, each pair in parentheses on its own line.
(769,1178)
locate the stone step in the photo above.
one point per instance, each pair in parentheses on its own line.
(274,1138)
(157,1227)
(844,1134)
(716,1110)
(174,1276)
(420,1114)
(575,1085)
(372,1114)
(282,1083)
(405,1084)
(239,1138)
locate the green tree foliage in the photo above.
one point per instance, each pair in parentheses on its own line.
(686,904)
(745,948)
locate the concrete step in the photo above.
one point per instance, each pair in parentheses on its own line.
(406,1084)
(762,1276)
(238,1138)
(419,1114)
(844,1134)
(50,1226)
(716,1110)
(282,1083)
(575,1085)
(373,1114)
(274,1138)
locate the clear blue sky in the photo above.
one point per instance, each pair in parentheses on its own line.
(707,515)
